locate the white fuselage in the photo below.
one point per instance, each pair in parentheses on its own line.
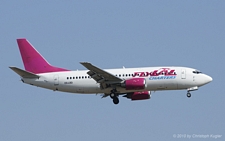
(157,78)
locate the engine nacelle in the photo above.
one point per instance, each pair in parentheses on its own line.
(138,95)
(135,84)
(141,95)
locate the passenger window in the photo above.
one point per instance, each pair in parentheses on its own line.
(67,78)
(70,77)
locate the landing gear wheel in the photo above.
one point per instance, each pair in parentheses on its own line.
(188,95)
(112,95)
(116,100)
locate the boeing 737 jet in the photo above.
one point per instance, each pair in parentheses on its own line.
(132,83)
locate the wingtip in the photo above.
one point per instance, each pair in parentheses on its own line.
(85,63)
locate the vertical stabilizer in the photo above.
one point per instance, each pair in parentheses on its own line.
(32,59)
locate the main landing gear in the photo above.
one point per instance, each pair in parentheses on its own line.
(114,96)
(116,100)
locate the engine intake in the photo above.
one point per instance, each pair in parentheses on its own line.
(135,84)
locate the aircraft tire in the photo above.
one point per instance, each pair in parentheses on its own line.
(188,95)
(116,100)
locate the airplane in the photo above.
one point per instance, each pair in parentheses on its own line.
(132,83)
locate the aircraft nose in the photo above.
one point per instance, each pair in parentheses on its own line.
(203,79)
(208,79)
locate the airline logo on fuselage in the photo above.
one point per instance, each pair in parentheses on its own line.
(163,73)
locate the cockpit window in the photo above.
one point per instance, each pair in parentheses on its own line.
(197,71)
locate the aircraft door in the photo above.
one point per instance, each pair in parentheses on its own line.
(183,74)
(56,80)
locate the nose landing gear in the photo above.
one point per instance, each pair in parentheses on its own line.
(191,89)
(188,94)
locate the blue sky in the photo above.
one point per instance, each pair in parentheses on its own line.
(112,34)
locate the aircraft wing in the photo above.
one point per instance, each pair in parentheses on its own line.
(99,75)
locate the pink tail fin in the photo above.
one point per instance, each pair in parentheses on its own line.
(32,59)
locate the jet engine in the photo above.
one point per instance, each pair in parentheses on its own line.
(138,95)
(134,84)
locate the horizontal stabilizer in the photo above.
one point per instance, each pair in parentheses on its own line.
(23,73)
